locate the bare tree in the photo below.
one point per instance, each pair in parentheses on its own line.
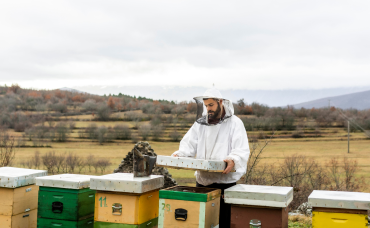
(103,163)
(256,151)
(90,161)
(81,164)
(36,160)
(60,161)
(72,160)
(7,149)
(49,161)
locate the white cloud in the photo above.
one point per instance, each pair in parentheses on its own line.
(235,44)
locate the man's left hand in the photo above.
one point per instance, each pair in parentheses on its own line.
(230,166)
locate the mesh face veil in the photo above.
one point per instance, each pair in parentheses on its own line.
(202,114)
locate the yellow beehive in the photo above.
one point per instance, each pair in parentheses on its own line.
(338,209)
(338,220)
(15,201)
(126,208)
(24,220)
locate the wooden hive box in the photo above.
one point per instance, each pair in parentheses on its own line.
(65,197)
(189,207)
(19,195)
(191,163)
(337,209)
(268,204)
(123,200)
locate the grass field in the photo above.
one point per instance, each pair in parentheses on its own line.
(322,151)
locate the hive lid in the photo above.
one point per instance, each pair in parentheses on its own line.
(259,195)
(191,163)
(187,193)
(17,177)
(69,181)
(339,199)
(126,182)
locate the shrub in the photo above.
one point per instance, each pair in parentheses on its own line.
(175,136)
(61,131)
(144,131)
(49,160)
(7,149)
(157,132)
(122,131)
(89,105)
(103,111)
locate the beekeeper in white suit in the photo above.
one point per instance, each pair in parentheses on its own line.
(217,134)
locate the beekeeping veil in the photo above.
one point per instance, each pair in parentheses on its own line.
(202,115)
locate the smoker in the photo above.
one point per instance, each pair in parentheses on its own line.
(65,200)
(19,195)
(259,206)
(339,209)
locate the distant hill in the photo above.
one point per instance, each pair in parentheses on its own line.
(71,90)
(269,97)
(360,100)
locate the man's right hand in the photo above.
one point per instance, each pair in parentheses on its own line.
(174,155)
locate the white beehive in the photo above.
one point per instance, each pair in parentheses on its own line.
(126,182)
(17,177)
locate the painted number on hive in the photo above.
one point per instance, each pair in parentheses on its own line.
(101,201)
(168,206)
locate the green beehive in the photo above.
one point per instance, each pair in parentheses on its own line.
(65,197)
(47,223)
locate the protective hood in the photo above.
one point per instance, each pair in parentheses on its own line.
(202,115)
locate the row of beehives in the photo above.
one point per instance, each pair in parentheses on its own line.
(29,198)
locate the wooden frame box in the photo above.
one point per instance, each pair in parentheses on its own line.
(15,201)
(23,220)
(339,209)
(189,207)
(126,208)
(66,204)
(270,217)
(47,223)
(191,163)
(268,204)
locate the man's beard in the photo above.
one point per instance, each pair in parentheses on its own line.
(214,113)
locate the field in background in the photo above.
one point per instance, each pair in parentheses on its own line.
(324,148)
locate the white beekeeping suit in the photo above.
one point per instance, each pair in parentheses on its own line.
(225,140)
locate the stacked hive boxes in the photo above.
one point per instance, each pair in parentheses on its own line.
(339,209)
(18,201)
(125,201)
(189,207)
(267,204)
(65,201)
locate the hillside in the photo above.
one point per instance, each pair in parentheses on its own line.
(360,100)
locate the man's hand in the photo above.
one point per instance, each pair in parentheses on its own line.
(230,166)
(174,155)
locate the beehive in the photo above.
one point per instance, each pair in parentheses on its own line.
(191,163)
(267,204)
(65,200)
(123,200)
(337,209)
(19,196)
(189,207)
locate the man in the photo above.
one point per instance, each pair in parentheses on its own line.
(217,134)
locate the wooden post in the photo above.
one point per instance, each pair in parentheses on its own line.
(348,136)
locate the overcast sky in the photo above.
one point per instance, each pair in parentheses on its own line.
(234,44)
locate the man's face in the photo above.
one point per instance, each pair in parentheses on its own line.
(213,108)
